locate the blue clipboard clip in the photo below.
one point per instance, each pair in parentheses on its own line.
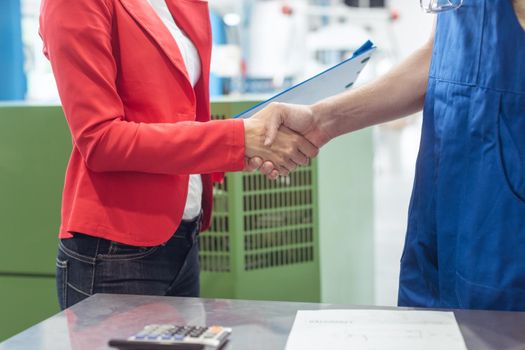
(364,48)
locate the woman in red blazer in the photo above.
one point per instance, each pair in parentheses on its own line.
(139,130)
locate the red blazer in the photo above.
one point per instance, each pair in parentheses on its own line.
(139,128)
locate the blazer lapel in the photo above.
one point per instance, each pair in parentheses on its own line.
(147,18)
(193,17)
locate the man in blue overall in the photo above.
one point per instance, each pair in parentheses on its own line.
(465,243)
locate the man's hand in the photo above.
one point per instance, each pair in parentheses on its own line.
(298,118)
(287,151)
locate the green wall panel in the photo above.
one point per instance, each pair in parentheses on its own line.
(346,211)
(25,301)
(34,148)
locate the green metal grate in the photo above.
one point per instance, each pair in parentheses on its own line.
(278,225)
(278,220)
(215,244)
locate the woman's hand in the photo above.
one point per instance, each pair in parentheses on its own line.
(252,164)
(287,151)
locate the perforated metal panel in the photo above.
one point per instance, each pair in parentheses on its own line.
(278,220)
(215,244)
(214,253)
(278,223)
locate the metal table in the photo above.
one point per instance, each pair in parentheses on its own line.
(256,324)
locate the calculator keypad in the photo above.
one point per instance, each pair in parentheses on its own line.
(213,335)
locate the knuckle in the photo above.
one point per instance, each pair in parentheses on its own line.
(312,153)
(274,105)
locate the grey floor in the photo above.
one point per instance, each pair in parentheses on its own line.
(396,146)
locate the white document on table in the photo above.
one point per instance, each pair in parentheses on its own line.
(375,330)
(325,84)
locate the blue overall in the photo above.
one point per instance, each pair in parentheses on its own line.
(465,244)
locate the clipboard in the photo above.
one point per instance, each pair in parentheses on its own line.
(331,82)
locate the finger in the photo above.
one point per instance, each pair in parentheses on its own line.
(284,172)
(251,164)
(273,175)
(255,163)
(303,144)
(267,168)
(287,167)
(308,149)
(294,153)
(291,165)
(273,124)
(299,158)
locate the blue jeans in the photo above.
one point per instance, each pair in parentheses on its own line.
(87,265)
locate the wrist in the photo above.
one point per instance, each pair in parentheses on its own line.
(250,136)
(322,121)
(247,132)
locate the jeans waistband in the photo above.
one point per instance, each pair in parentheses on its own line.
(89,246)
(193,225)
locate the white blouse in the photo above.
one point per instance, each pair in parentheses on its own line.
(192,62)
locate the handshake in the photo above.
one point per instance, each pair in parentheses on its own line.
(281,137)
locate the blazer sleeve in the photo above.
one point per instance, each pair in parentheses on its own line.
(77,41)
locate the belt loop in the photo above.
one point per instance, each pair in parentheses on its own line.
(97,248)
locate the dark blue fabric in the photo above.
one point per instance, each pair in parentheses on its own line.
(87,265)
(465,244)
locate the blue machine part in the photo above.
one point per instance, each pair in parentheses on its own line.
(13,85)
(219,37)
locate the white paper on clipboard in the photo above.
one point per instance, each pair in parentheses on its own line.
(328,83)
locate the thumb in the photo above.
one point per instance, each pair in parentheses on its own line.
(272,126)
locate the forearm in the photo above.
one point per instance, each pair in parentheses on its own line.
(398,93)
(180,148)
(104,131)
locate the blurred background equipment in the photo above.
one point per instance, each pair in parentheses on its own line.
(259,46)
(358,201)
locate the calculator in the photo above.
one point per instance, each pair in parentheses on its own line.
(168,336)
